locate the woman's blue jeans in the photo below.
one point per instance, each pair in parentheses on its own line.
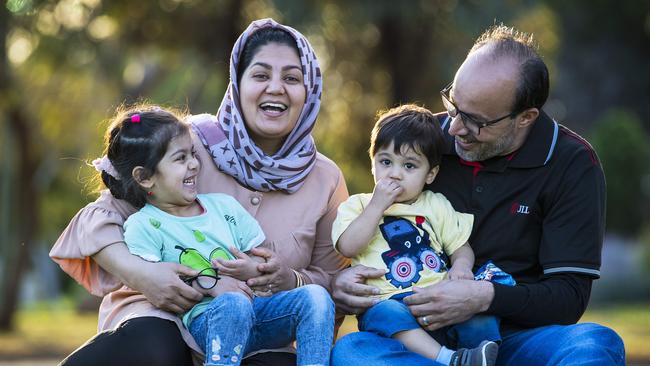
(578,344)
(233,326)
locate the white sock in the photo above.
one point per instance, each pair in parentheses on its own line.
(444,356)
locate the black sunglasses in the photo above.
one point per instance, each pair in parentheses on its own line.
(472,124)
(206,279)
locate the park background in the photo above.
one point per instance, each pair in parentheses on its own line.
(66,64)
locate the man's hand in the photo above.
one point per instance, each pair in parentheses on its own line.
(385,194)
(350,291)
(161,284)
(449,302)
(241,268)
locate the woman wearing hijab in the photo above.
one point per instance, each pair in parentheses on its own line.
(258,149)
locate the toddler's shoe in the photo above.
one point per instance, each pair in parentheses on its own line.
(483,355)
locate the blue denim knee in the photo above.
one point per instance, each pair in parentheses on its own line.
(316,298)
(235,303)
(387,318)
(594,341)
(575,344)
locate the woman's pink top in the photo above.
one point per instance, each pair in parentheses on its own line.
(297,227)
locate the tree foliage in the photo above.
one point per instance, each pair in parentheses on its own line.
(622,146)
(66,64)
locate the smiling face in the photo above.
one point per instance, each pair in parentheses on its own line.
(409,169)
(272,95)
(485,89)
(173,185)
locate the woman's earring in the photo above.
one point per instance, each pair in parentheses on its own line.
(149,193)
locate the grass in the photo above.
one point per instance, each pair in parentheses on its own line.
(47,330)
(631,322)
(55,329)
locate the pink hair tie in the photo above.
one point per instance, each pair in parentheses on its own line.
(135,118)
(104,164)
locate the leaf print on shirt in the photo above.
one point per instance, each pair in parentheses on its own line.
(192,258)
(221,253)
(199,236)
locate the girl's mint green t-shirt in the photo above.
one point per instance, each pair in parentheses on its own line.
(157,236)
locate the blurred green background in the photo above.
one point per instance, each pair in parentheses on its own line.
(65,65)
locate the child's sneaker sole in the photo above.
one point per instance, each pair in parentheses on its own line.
(489,352)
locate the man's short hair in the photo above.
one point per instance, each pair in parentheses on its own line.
(411,126)
(507,42)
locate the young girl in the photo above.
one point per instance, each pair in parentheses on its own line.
(150,162)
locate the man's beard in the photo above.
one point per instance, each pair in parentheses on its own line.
(484,150)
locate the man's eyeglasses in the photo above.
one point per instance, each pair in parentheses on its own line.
(472,124)
(206,279)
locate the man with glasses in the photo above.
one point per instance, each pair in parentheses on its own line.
(537,193)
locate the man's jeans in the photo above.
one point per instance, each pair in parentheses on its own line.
(578,344)
(233,326)
(391,316)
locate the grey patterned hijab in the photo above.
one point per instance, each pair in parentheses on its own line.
(227,139)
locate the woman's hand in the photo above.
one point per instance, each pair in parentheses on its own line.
(241,268)
(161,284)
(275,275)
(227,284)
(349,289)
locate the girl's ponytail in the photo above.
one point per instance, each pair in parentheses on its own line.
(136,137)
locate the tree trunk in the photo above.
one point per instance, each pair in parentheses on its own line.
(25,209)
(408,39)
(24,204)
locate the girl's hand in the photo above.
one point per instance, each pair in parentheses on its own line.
(275,276)
(385,193)
(241,268)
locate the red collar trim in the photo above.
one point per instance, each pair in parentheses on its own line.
(476,164)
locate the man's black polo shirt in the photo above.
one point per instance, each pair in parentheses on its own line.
(539,214)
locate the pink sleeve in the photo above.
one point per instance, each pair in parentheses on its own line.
(93,228)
